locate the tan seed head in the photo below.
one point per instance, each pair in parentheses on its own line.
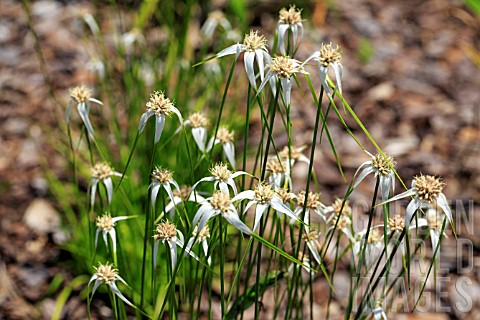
(198,120)
(80,94)
(285,195)
(161,175)
(428,187)
(275,166)
(106,273)
(283,66)
(397,223)
(263,193)
(254,42)
(101,171)
(337,206)
(224,135)
(220,172)
(165,231)
(329,54)
(159,104)
(105,222)
(313,201)
(291,16)
(221,201)
(382,164)
(374,236)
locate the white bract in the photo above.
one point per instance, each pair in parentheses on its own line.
(328,56)
(281,69)
(313,203)
(198,122)
(160,106)
(222,178)
(290,19)
(255,48)
(168,232)
(82,97)
(278,173)
(382,167)
(162,178)
(219,203)
(108,274)
(434,222)
(106,225)
(102,172)
(263,197)
(224,137)
(426,191)
(200,237)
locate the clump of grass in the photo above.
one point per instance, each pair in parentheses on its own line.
(284,248)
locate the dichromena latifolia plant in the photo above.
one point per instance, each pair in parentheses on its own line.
(257,229)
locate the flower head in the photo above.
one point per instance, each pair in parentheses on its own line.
(106,273)
(341,207)
(102,171)
(255,48)
(281,69)
(279,171)
(203,234)
(105,222)
(82,97)
(311,203)
(222,178)
(224,135)
(161,175)
(263,193)
(106,225)
(289,19)
(162,178)
(219,204)
(160,107)
(168,232)
(291,16)
(313,200)
(165,231)
(294,154)
(428,187)
(264,197)
(396,223)
(383,164)
(253,41)
(382,167)
(221,201)
(159,104)
(328,56)
(198,120)
(220,172)
(285,195)
(80,94)
(426,191)
(284,66)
